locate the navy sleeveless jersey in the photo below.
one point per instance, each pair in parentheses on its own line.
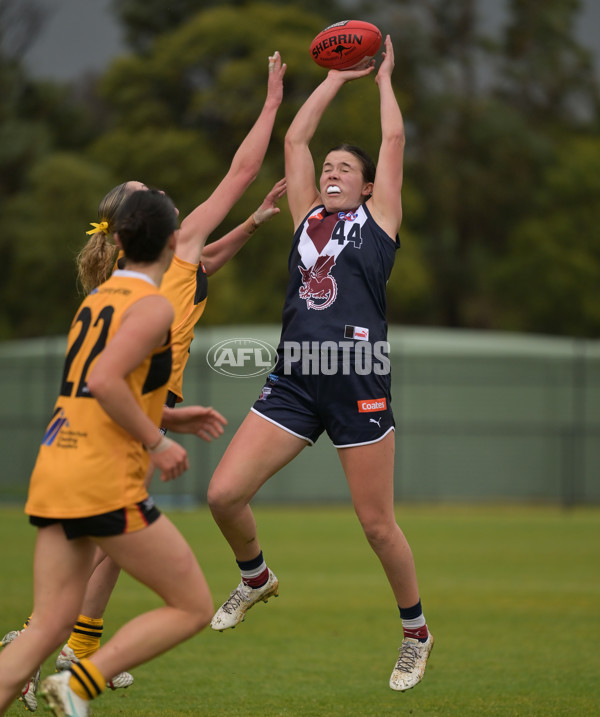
(339,266)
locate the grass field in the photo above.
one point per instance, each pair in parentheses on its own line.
(511,594)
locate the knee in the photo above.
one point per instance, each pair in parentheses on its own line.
(53,629)
(378,533)
(201,616)
(215,497)
(220,499)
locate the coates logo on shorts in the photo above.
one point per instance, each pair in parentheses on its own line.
(372,405)
(242,358)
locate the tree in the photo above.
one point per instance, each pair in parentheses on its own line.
(20,24)
(546,74)
(146,20)
(35,118)
(548,280)
(475,153)
(22,138)
(502,136)
(46,224)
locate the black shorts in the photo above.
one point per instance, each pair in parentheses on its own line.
(354,409)
(116,522)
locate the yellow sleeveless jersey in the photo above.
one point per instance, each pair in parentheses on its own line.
(87,464)
(185,285)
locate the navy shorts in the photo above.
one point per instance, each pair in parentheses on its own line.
(355,410)
(116,522)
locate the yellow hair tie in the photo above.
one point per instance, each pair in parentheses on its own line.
(102,227)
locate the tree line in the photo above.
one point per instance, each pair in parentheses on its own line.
(501,191)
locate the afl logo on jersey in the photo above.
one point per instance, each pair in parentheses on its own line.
(319,288)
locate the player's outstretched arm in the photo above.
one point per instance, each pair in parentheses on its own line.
(219,252)
(386,202)
(246,163)
(203,421)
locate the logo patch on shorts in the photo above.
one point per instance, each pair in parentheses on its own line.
(370,405)
(356,332)
(148,503)
(265,393)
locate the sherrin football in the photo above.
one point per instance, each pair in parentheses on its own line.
(346,45)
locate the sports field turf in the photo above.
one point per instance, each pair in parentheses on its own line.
(511,594)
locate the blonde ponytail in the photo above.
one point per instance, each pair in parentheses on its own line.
(96,260)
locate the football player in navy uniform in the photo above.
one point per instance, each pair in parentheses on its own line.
(332,372)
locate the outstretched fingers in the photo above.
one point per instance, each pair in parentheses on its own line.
(387,64)
(269,207)
(277,70)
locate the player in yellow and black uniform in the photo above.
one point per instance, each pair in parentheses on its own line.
(87,487)
(75,442)
(185,285)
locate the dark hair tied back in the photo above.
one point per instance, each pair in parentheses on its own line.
(144,223)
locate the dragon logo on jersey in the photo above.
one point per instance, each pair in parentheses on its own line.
(317,283)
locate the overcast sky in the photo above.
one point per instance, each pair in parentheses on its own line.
(82,36)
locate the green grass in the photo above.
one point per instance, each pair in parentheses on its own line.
(512,595)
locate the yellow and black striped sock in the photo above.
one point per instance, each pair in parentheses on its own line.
(85,637)
(86,680)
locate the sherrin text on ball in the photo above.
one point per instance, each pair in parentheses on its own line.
(346,45)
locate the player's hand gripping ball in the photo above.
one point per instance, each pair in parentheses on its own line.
(346,45)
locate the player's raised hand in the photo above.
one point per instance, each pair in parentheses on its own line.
(387,64)
(268,209)
(275,78)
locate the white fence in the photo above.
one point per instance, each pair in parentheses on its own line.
(479,417)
